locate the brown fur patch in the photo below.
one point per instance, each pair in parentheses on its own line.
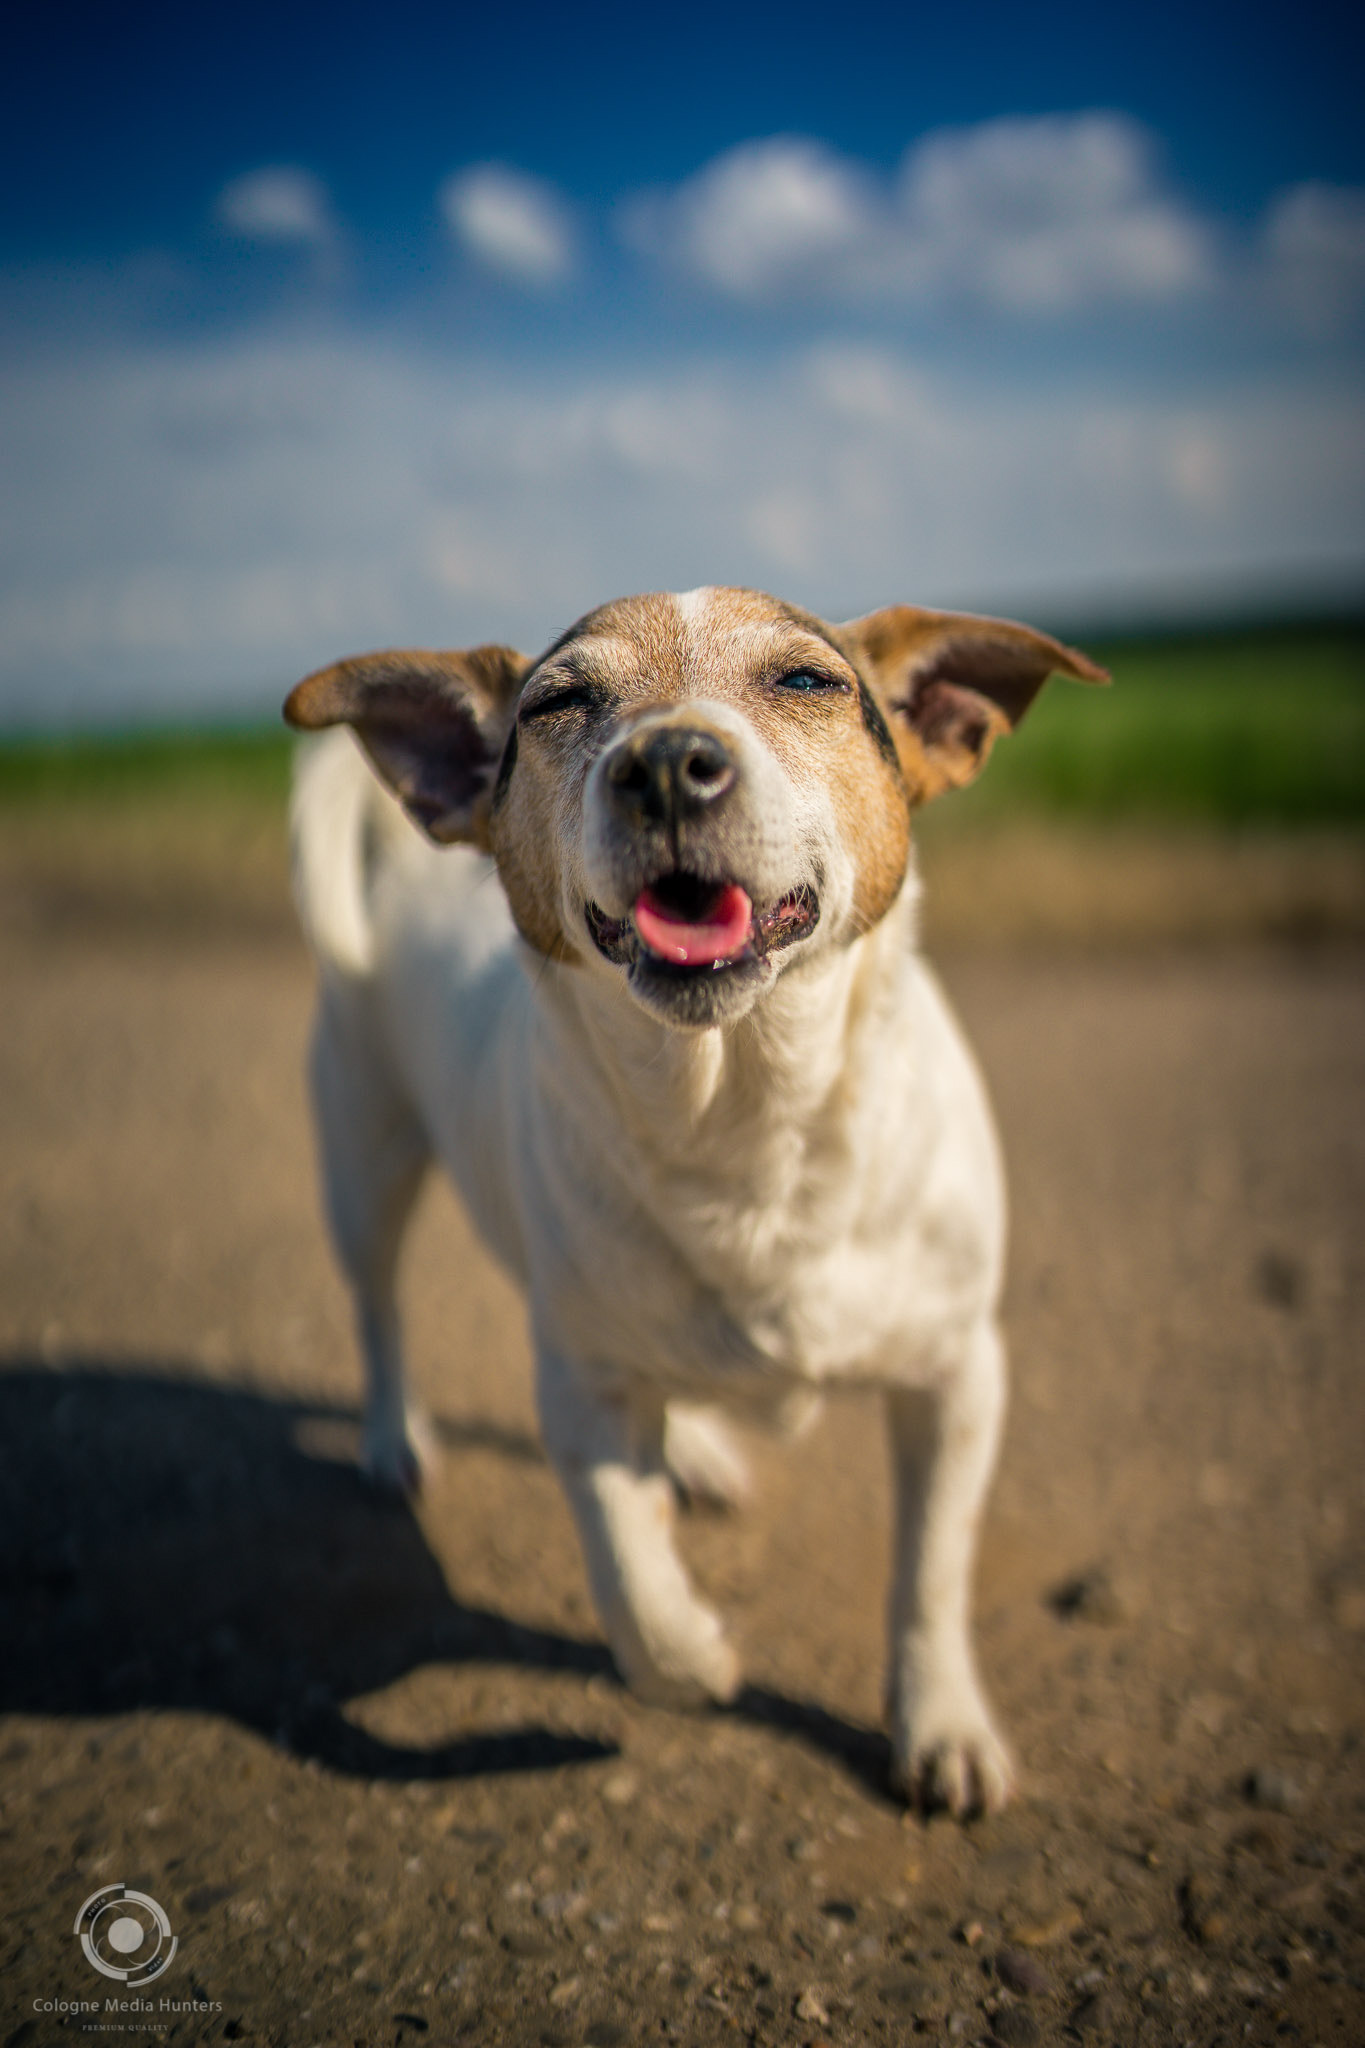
(658,651)
(949,684)
(434,723)
(534,902)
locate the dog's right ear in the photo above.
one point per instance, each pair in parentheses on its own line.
(434,724)
(948,684)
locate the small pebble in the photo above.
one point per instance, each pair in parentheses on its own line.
(1044,1933)
(518,1942)
(1200,1910)
(1274,1789)
(972,1933)
(1279,1278)
(901,1985)
(1015,2027)
(810,2006)
(1089,1596)
(1094,2015)
(1021,1972)
(561,1905)
(620,1788)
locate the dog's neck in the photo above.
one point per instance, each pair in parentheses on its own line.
(691,1100)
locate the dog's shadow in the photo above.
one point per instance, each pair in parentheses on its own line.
(167,1542)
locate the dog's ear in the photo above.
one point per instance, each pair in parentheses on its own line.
(433,724)
(949,684)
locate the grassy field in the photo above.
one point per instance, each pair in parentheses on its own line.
(236,766)
(1258,728)
(1219,784)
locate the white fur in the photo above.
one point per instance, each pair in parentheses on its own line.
(735,1218)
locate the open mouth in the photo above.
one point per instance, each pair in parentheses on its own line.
(694,927)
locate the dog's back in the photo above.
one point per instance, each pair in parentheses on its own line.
(421,990)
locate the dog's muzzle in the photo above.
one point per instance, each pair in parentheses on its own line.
(668,776)
(696,933)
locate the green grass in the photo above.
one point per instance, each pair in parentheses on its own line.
(236,766)
(1229,729)
(1258,728)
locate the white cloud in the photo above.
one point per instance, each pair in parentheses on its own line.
(1315,247)
(514,223)
(204,525)
(1320,224)
(1045,216)
(766,215)
(279,203)
(1050,215)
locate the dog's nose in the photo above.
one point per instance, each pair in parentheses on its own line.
(670,772)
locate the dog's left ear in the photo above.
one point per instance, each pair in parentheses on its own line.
(949,684)
(434,724)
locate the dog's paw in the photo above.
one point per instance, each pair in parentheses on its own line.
(695,1667)
(703,1459)
(957,1762)
(399,1461)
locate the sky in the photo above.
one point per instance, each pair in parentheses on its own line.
(323,330)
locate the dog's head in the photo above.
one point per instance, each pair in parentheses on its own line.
(691,792)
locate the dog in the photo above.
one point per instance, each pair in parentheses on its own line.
(697,1089)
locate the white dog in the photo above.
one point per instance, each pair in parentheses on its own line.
(710,1108)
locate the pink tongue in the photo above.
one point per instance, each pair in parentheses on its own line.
(717,937)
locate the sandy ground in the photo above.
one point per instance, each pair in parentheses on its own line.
(375,1765)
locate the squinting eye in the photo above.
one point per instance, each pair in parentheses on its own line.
(574,697)
(805,679)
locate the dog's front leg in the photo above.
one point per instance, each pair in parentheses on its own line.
(946,1750)
(669,1646)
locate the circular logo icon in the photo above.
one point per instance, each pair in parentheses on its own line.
(125,1935)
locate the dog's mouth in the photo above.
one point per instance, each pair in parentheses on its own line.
(691,926)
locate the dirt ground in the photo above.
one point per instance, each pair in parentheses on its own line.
(375,1766)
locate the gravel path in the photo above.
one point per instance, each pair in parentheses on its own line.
(376,1767)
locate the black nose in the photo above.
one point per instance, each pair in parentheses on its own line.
(669,772)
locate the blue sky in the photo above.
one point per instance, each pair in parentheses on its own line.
(328,329)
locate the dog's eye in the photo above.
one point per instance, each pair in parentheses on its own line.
(808,681)
(573,697)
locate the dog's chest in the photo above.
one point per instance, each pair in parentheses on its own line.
(792,1255)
